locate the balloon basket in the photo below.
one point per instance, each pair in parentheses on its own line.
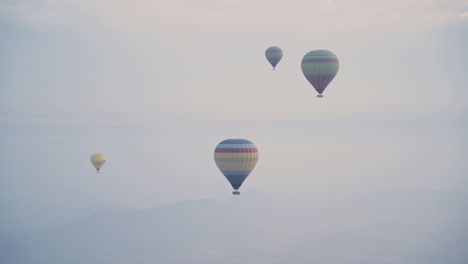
(235,193)
(319,96)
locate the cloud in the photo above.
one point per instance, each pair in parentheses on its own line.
(42,139)
(227,16)
(75,122)
(297,22)
(280,16)
(49,13)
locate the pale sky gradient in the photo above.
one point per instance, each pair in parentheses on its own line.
(155,85)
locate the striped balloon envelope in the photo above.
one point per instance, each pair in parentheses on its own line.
(274,55)
(236,158)
(320,68)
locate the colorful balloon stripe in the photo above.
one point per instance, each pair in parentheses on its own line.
(236,150)
(239,145)
(318,60)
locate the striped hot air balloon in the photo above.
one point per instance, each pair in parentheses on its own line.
(274,55)
(320,67)
(236,158)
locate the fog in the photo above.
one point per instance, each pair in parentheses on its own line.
(374,172)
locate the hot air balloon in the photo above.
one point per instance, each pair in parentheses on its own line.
(236,158)
(98,160)
(320,67)
(273,55)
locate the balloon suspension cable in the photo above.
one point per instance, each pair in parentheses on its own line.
(97,170)
(273,68)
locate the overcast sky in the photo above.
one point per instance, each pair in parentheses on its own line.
(156,85)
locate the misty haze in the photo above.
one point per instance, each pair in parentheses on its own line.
(127,126)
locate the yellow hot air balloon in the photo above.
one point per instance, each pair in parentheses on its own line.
(98,160)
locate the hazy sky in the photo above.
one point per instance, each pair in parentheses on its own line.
(155,85)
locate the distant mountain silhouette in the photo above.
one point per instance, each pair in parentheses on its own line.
(392,226)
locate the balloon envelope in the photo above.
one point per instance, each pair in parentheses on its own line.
(320,67)
(236,158)
(98,160)
(274,55)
